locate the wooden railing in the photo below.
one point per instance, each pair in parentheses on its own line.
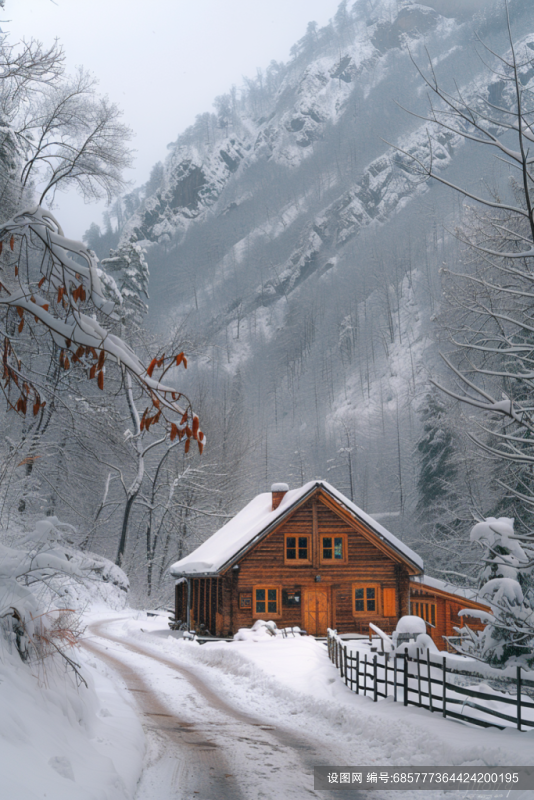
(429,682)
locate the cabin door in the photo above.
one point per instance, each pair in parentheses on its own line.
(316,611)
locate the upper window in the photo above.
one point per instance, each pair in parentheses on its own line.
(365,599)
(333,549)
(298,549)
(266,600)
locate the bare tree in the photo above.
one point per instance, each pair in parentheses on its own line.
(73,137)
(497,334)
(494,325)
(26,69)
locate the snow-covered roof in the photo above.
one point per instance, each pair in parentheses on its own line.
(257,519)
(450,588)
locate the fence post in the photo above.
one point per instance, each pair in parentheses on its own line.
(419,679)
(395,677)
(519,698)
(345,664)
(405,687)
(444,686)
(429,680)
(375,666)
(337,653)
(365,674)
(357,672)
(341,670)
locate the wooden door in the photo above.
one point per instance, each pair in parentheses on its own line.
(316,611)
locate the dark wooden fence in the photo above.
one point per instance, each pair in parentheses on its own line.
(429,682)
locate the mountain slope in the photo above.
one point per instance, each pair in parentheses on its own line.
(303,248)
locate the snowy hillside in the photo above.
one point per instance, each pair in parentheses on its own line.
(292,235)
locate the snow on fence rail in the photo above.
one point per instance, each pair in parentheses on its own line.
(430,683)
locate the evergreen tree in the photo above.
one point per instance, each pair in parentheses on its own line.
(443,510)
(101,242)
(437,469)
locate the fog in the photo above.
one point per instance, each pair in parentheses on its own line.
(164,62)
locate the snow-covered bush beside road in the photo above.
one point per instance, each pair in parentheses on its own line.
(62,741)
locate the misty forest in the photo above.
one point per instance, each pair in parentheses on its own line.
(329,276)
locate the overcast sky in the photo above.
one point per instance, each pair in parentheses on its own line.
(162,61)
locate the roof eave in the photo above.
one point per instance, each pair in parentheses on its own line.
(179,575)
(446,595)
(265,531)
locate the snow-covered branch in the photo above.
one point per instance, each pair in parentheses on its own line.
(53,282)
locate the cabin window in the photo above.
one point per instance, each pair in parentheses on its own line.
(365,599)
(333,549)
(267,600)
(298,549)
(426,611)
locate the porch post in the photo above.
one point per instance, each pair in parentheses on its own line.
(188,603)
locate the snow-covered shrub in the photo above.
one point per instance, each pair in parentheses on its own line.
(44,582)
(506,584)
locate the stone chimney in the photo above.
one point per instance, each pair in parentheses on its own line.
(278,490)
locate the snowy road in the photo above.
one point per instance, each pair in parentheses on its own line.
(200,746)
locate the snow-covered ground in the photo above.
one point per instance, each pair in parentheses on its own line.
(289,710)
(290,684)
(64,742)
(286,678)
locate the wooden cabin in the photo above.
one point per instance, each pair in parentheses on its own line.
(307,557)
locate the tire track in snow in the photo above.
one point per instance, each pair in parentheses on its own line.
(186,761)
(209,749)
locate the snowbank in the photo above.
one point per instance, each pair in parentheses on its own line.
(67,732)
(64,742)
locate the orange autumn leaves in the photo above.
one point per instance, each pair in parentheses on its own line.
(67,298)
(182,429)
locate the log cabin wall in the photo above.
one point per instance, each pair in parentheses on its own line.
(180,601)
(442,609)
(332,597)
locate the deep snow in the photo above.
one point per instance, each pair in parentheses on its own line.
(64,742)
(290,683)
(93,751)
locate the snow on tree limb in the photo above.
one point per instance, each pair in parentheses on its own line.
(53,282)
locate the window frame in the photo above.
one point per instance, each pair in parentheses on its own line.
(331,561)
(378,599)
(291,562)
(267,614)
